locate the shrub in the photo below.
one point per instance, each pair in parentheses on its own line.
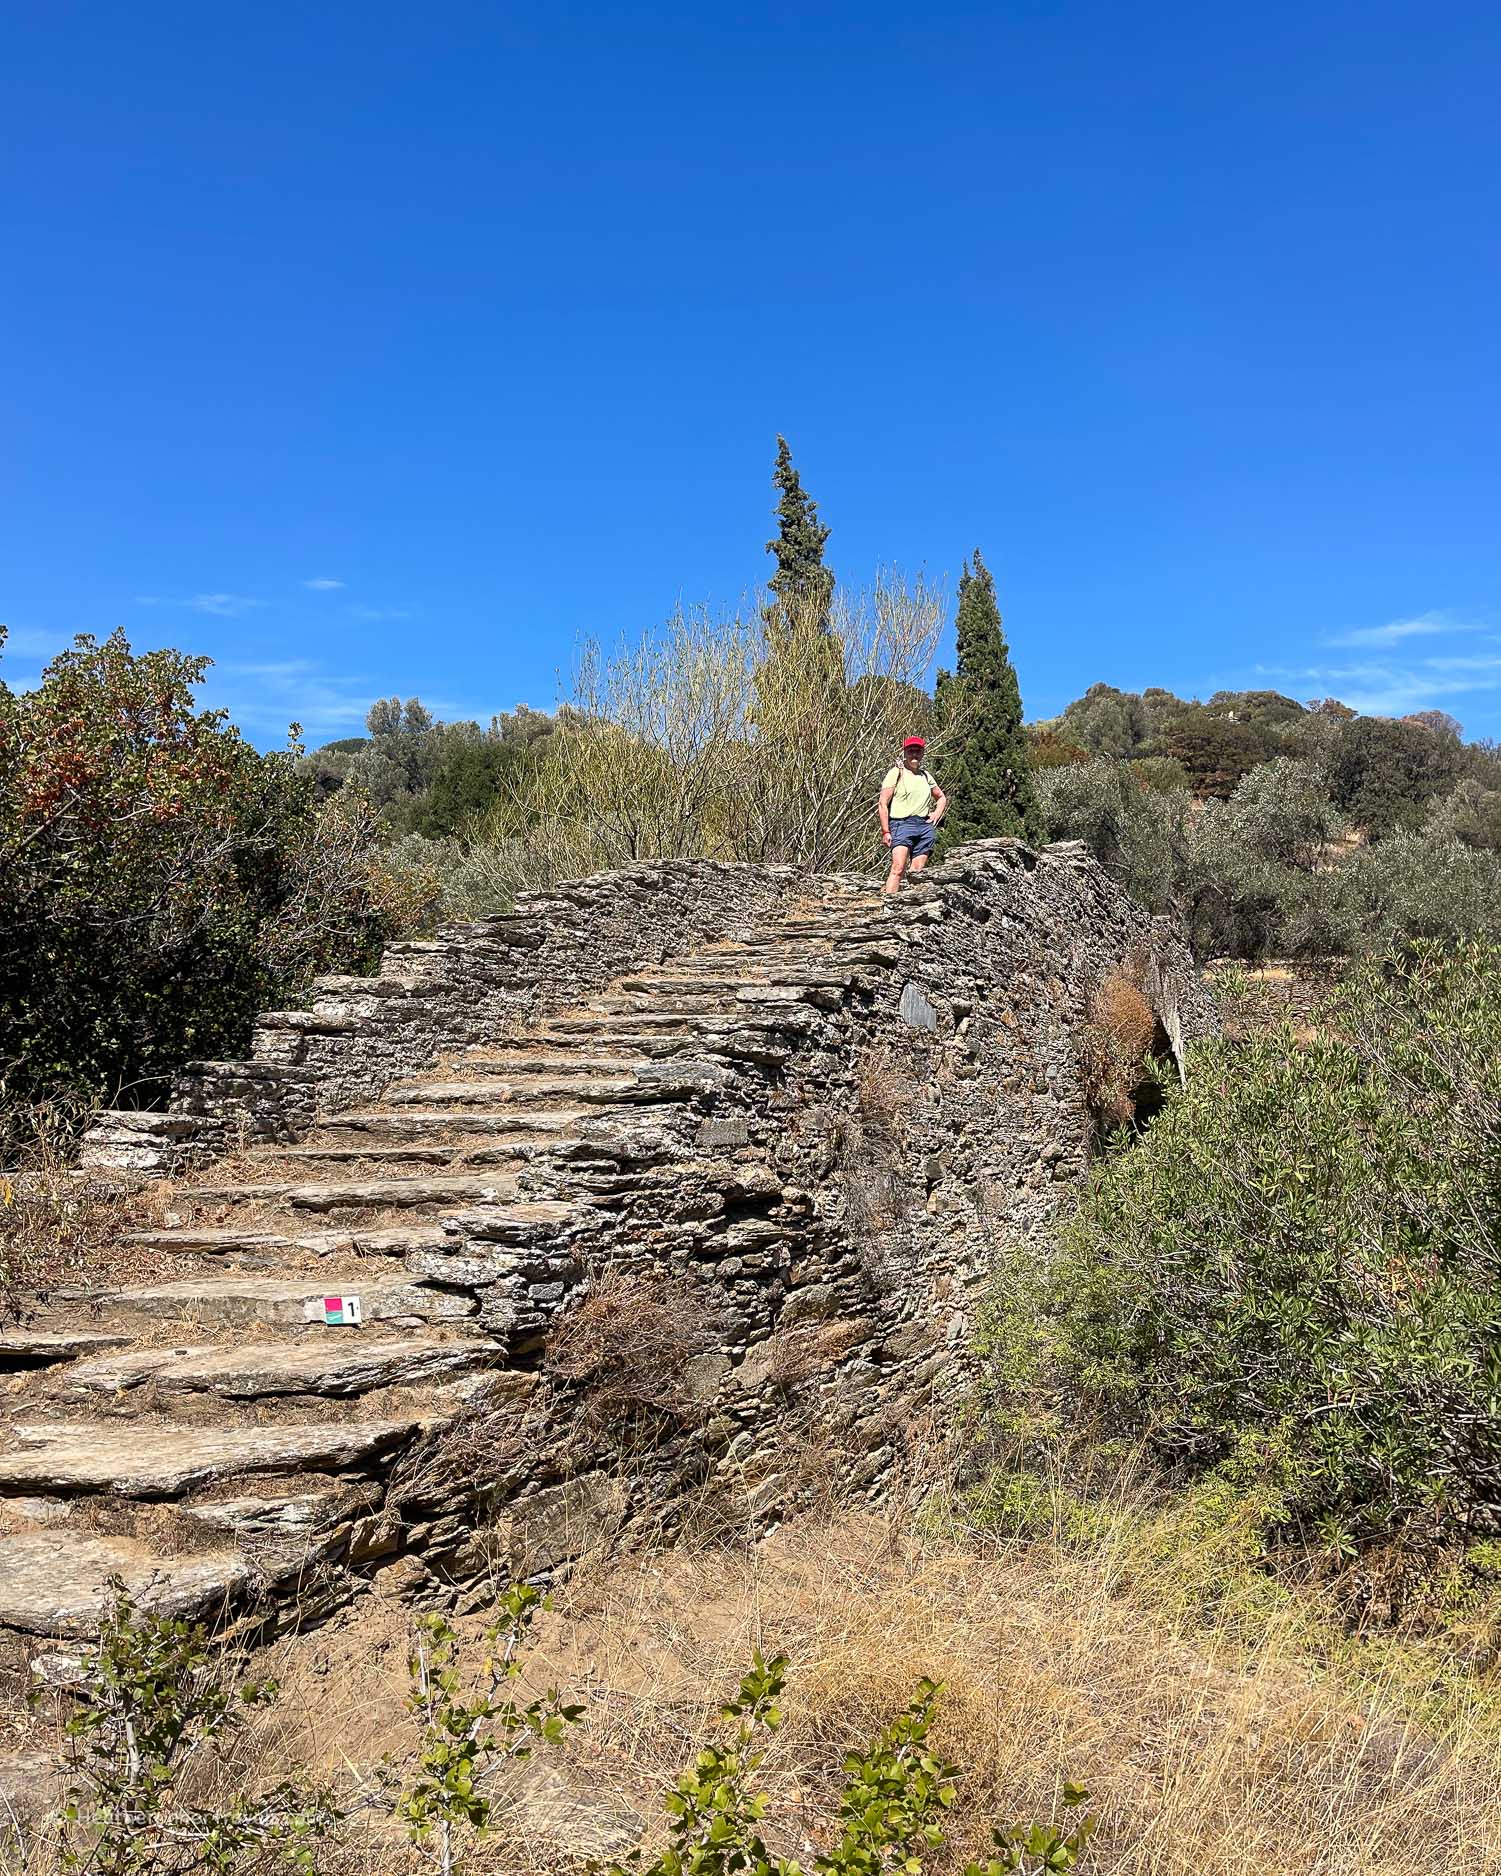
(1113,1047)
(1383,774)
(1411,888)
(464,1733)
(1138,832)
(729,738)
(891,1812)
(159,1709)
(159,879)
(625,1347)
(1215,750)
(1471,814)
(1302,1251)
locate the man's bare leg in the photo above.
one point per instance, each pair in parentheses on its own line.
(899,858)
(919,862)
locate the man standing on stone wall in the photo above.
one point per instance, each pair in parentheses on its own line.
(912,804)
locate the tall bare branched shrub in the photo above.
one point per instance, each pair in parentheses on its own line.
(727,737)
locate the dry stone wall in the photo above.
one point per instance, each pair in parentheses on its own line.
(470,983)
(668,1197)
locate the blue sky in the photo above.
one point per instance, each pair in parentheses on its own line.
(390,348)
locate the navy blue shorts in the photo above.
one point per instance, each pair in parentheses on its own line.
(916,832)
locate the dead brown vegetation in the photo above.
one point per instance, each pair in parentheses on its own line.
(60,1226)
(1112,1046)
(627,1345)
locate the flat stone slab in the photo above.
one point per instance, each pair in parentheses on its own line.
(282,1302)
(500,1091)
(332,1361)
(368,1194)
(410,1126)
(132,1461)
(225,1241)
(296,1517)
(53,1582)
(42,1348)
(564,1062)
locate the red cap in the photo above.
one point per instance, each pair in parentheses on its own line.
(914,742)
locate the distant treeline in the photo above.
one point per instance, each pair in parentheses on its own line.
(1275,826)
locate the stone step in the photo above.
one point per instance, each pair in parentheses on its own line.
(528,1127)
(231,1241)
(299,1520)
(518,1060)
(336,1362)
(651,1081)
(640,1028)
(414,1153)
(499,1092)
(281,1302)
(130,1459)
(673,981)
(364,1194)
(43,1348)
(53,1582)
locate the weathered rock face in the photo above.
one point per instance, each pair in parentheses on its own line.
(671,1194)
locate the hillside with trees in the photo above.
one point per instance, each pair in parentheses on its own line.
(1236,1418)
(1280,827)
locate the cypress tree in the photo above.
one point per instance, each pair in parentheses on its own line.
(985,769)
(803,585)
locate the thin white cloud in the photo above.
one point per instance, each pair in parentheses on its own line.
(1425,625)
(263,698)
(378,615)
(324,586)
(26,641)
(1393,689)
(224,605)
(216,605)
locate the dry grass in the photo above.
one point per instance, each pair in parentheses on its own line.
(810,1351)
(1204,1755)
(1209,1750)
(60,1227)
(1112,1046)
(626,1346)
(870,1157)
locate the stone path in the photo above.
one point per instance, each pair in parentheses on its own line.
(218,1438)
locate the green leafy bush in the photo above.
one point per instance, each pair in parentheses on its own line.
(890,1814)
(463,1734)
(158,1709)
(1138,831)
(160,880)
(1303,1251)
(1383,774)
(1408,888)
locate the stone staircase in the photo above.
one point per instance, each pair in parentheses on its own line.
(225,1439)
(814,1118)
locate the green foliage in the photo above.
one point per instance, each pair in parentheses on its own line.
(1136,831)
(986,774)
(1249,858)
(1471,814)
(1383,774)
(1215,748)
(1303,1251)
(1408,888)
(464,1732)
(803,585)
(157,1703)
(428,777)
(1107,722)
(890,1816)
(160,880)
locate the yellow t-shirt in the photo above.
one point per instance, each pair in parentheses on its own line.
(914,793)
